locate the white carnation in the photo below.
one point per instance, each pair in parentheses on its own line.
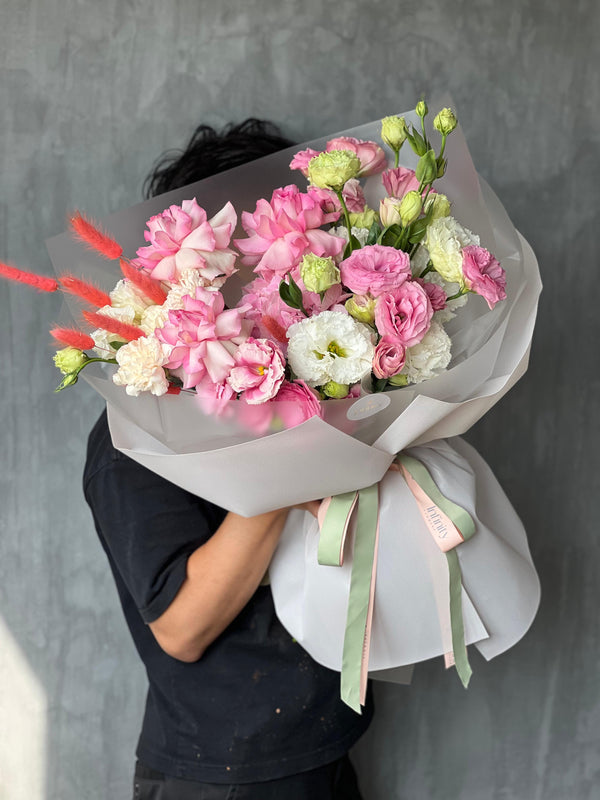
(154,317)
(102,338)
(445,239)
(189,280)
(125,295)
(141,366)
(362,234)
(330,346)
(430,357)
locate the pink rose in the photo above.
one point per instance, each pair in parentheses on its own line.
(375,269)
(259,370)
(297,402)
(404,314)
(399,181)
(483,274)
(371,156)
(389,358)
(182,237)
(302,159)
(282,231)
(437,296)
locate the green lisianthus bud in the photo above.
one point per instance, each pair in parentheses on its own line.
(318,274)
(440,205)
(335,390)
(69,359)
(361,307)
(445,121)
(398,380)
(421,108)
(333,170)
(363,220)
(427,169)
(410,207)
(394,131)
(388,211)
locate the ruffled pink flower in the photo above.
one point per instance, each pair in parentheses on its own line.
(352,193)
(371,156)
(298,403)
(204,337)
(259,370)
(404,314)
(182,237)
(389,358)
(399,181)
(214,398)
(280,232)
(375,269)
(483,274)
(302,159)
(437,296)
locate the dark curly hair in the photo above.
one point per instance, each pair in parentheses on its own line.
(209,152)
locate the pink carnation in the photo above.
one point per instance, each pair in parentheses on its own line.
(371,156)
(298,403)
(483,274)
(302,159)
(389,358)
(280,232)
(404,314)
(375,269)
(182,237)
(259,370)
(399,181)
(437,296)
(203,336)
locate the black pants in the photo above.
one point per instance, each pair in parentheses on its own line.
(336,781)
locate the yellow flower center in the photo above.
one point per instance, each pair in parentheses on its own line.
(336,350)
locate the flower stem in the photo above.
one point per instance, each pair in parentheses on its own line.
(396,158)
(346,215)
(428,268)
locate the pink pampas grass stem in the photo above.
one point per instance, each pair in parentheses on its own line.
(121,329)
(147,285)
(94,236)
(28,278)
(72,338)
(85,291)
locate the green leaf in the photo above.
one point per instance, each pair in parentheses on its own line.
(295,292)
(390,237)
(117,345)
(379,384)
(351,245)
(442,163)
(374,232)
(417,142)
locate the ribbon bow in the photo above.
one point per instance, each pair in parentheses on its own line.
(449,524)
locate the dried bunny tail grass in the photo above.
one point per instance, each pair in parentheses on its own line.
(121,329)
(147,285)
(28,278)
(94,237)
(85,291)
(276,330)
(72,338)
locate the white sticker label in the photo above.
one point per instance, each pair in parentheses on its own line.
(368,406)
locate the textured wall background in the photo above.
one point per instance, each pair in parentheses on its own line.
(90,94)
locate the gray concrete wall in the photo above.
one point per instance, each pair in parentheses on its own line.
(90,94)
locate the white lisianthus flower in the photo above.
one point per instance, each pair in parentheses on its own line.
(102,338)
(362,234)
(141,367)
(331,346)
(154,317)
(126,295)
(428,358)
(445,239)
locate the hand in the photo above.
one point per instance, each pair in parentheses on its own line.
(312,506)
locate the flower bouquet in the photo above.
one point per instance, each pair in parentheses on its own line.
(298,359)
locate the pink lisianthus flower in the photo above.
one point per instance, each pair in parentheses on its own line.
(302,159)
(437,296)
(483,274)
(404,314)
(214,398)
(204,337)
(298,403)
(375,269)
(397,182)
(352,193)
(182,238)
(259,370)
(389,358)
(280,232)
(371,156)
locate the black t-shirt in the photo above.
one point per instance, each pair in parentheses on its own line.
(256,706)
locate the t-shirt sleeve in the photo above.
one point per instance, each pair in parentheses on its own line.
(149,527)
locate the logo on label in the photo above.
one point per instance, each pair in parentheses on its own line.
(368,406)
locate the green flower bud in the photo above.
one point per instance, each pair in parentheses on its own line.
(69,359)
(398,380)
(363,220)
(394,131)
(335,390)
(445,121)
(361,307)
(333,170)
(427,169)
(318,274)
(440,205)
(421,108)
(410,207)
